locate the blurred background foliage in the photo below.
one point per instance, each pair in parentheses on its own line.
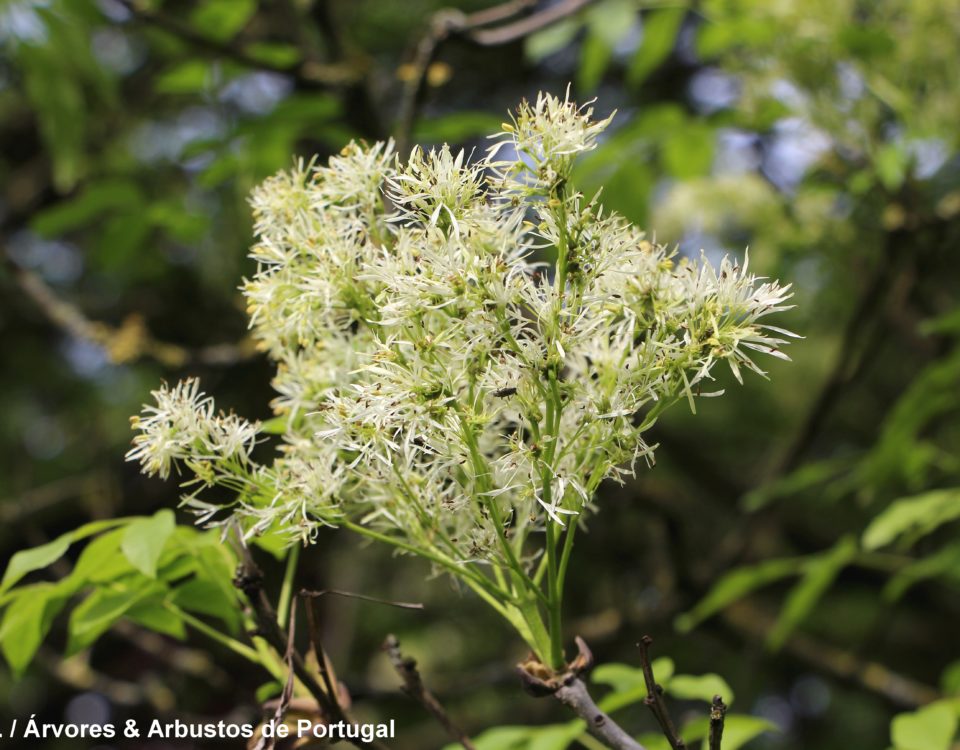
(797,537)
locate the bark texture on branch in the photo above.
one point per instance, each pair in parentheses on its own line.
(574,695)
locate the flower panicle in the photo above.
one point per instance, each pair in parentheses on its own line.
(438,383)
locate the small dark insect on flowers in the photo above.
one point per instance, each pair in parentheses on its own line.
(504,392)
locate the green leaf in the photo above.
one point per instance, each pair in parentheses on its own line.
(622,677)
(276,54)
(595,56)
(688,151)
(27,621)
(866,42)
(552,39)
(222,19)
(499,738)
(101,560)
(454,128)
(556,737)
(156,617)
(628,684)
(653,741)
(891,163)
(805,477)
(96,200)
(104,607)
(950,679)
(735,585)
(208,598)
(918,516)
(612,20)
(27,561)
(945,563)
(660,28)
(145,539)
(929,728)
(700,687)
(819,574)
(607,23)
(190,77)
(269,690)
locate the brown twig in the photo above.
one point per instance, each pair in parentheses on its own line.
(574,695)
(569,688)
(413,686)
(718,713)
(654,699)
(128,342)
(362,597)
(249,580)
(857,343)
(754,623)
(524,27)
(323,666)
(280,710)
(470,27)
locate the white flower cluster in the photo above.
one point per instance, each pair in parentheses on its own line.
(464,350)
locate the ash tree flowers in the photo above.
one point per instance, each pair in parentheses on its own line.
(465,350)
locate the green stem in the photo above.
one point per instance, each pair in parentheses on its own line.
(231,643)
(554,597)
(286,591)
(461,571)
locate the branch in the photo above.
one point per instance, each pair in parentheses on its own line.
(249,580)
(519,29)
(128,342)
(574,696)
(568,688)
(718,712)
(754,623)
(413,686)
(449,23)
(654,699)
(857,343)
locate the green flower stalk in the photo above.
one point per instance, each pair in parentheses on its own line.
(465,351)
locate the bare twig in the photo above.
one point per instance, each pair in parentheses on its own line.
(857,344)
(280,710)
(718,712)
(519,29)
(249,580)
(323,666)
(574,695)
(362,597)
(568,688)
(654,699)
(755,623)
(128,342)
(413,686)
(470,27)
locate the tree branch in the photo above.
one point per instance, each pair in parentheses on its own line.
(718,712)
(128,342)
(654,699)
(511,32)
(754,623)
(574,696)
(413,686)
(249,580)
(568,688)
(453,23)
